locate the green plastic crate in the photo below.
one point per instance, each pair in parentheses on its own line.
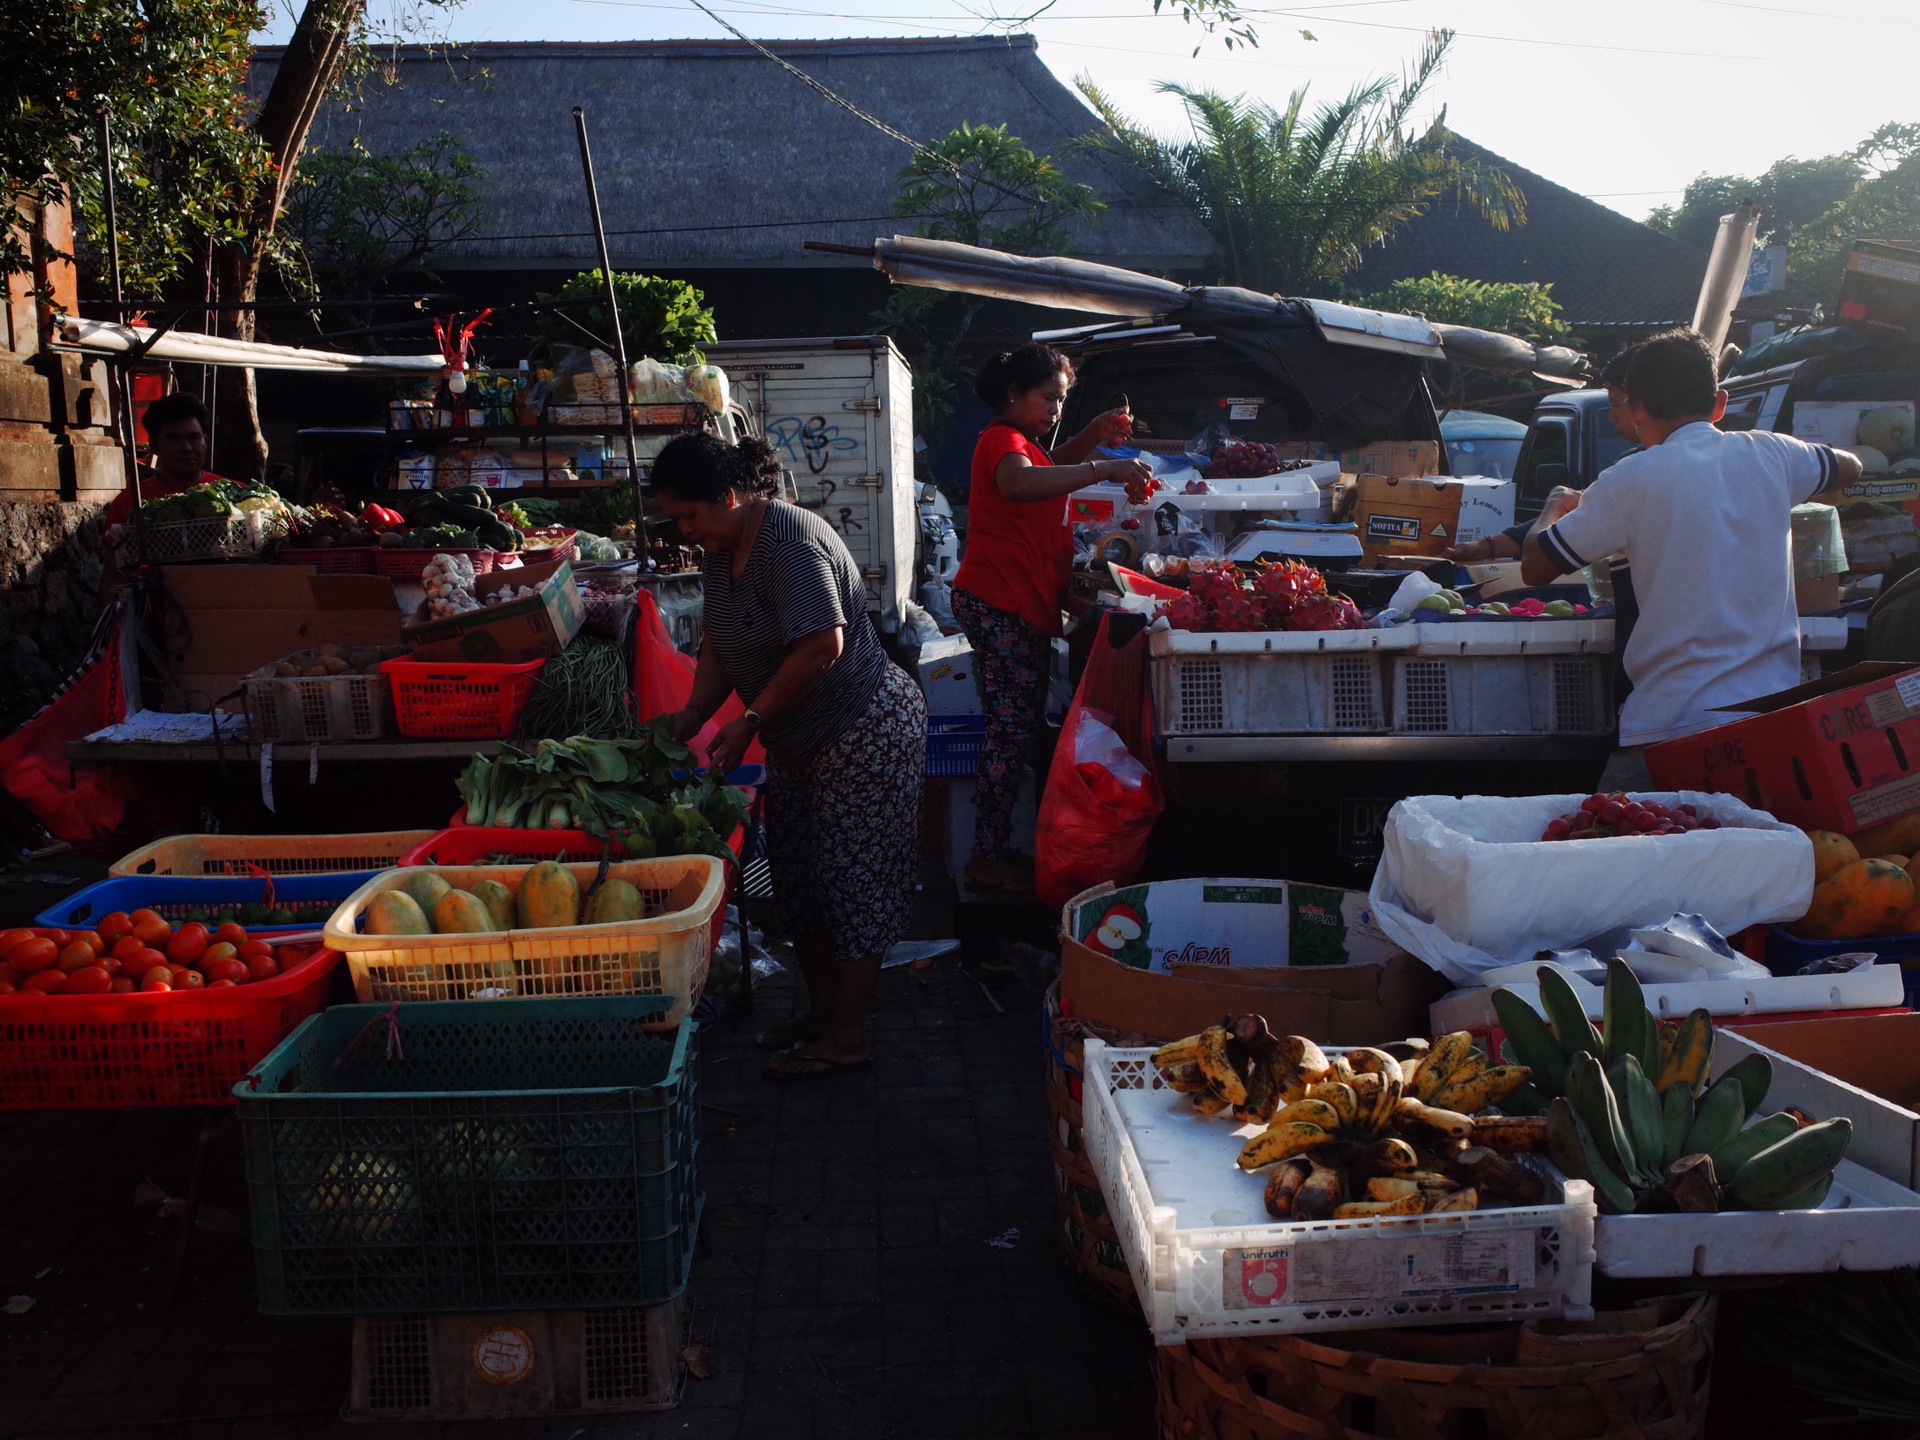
(463,1155)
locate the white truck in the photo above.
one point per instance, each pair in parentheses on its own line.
(839,414)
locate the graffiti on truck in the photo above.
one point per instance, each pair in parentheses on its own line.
(810,441)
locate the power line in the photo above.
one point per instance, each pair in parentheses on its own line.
(1809,14)
(1558,44)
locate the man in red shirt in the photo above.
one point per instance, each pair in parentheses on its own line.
(176,427)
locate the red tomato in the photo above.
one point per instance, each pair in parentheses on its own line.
(219,950)
(84,937)
(187,944)
(12,938)
(151,929)
(7,987)
(89,980)
(112,927)
(234,970)
(50,982)
(184,979)
(128,946)
(141,959)
(112,965)
(74,957)
(33,954)
(231,934)
(220,985)
(155,982)
(291,955)
(265,967)
(122,985)
(255,947)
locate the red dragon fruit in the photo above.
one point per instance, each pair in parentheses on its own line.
(1280,587)
(1210,585)
(1326,612)
(1186,612)
(1239,610)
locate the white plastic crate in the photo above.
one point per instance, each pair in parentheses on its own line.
(1513,637)
(1207,1260)
(1503,694)
(1272,682)
(220,537)
(301,709)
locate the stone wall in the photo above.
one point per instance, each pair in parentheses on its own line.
(50,567)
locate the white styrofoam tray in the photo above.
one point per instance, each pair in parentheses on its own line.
(1207,1260)
(1874,988)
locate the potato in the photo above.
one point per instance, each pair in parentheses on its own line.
(286,668)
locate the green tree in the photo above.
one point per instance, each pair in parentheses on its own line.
(979,186)
(1791,193)
(356,220)
(1292,198)
(1883,205)
(660,319)
(1509,307)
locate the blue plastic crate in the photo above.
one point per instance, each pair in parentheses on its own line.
(1787,953)
(542,1155)
(177,896)
(954,743)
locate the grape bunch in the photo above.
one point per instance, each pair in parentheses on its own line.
(1602,817)
(1242,460)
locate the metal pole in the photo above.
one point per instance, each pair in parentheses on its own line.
(619,337)
(125,373)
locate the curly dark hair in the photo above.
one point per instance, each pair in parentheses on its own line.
(1020,369)
(1674,375)
(703,468)
(171,410)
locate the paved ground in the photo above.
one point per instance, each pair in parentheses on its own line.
(882,1261)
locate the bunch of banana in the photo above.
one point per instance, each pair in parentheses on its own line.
(1240,1065)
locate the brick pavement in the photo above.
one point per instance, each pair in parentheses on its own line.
(851,1289)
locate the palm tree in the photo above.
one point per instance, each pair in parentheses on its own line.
(1291,199)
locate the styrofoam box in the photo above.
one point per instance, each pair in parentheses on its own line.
(1502,694)
(1272,682)
(1207,1260)
(1876,987)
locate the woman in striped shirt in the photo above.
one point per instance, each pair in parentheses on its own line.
(844,728)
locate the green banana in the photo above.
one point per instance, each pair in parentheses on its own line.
(1567,1015)
(1755,1074)
(1721,1113)
(1530,1042)
(1785,1170)
(1527,1100)
(1594,1104)
(1728,1159)
(1641,1102)
(1810,1196)
(1623,1013)
(1572,1147)
(1676,1119)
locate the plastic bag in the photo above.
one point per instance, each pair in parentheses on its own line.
(663,679)
(1082,837)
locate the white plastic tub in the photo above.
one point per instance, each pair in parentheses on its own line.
(1272,682)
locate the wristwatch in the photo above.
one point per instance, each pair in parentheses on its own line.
(752,717)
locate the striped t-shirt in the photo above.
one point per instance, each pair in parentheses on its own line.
(798,580)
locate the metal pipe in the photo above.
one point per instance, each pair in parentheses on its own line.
(122,371)
(1726,274)
(619,335)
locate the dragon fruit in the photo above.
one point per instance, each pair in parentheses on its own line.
(1281,587)
(1239,610)
(1326,612)
(1186,612)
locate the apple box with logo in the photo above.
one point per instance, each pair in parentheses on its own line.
(1841,753)
(1412,515)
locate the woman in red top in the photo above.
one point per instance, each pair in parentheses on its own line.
(1014,575)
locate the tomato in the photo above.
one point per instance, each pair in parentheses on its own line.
(140,960)
(189,980)
(221,985)
(122,985)
(291,955)
(83,937)
(255,947)
(231,934)
(74,957)
(50,982)
(263,967)
(89,980)
(112,927)
(33,954)
(152,930)
(137,917)
(234,970)
(127,946)
(221,950)
(112,965)
(187,944)
(7,987)
(155,982)
(15,937)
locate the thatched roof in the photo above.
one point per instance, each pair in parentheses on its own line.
(710,155)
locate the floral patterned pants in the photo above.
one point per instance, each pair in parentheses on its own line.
(1010,659)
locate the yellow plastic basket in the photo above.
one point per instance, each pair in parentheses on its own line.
(275,854)
(664,954)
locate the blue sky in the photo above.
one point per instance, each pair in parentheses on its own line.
(1624,100)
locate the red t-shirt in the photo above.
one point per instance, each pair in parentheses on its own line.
(1019,552)
(152,487)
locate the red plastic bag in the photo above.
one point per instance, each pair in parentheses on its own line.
(663,679)
(1098,811)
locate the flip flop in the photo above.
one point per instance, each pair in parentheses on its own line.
(783,1036)
(826,1066)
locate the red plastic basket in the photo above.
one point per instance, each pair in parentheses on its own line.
(337,560)
(453,700)
(400,562)
(186,1047)
(555,542)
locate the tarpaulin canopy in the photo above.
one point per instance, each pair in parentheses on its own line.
(104,337)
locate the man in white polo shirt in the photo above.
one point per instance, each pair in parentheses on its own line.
(1705,514)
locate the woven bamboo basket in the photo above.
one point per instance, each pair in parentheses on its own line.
(1085,1229)
(1634,1375)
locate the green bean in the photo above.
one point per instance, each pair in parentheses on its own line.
(585,690)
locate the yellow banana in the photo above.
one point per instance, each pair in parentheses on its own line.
(1692,1054)
(1391,1092)
(1282,1142)
(1339,1068)
(1366,1091)
(1378,1209)
(1208,1104)
(1217,1066)
(1178,1052)
(1303,1055)
(1262,1098)
(1365,1060)
(1470,1068)
(1459,1200)
(1314,1112)
(1391,1187)
(1282,1185)
(1442,1059)
(1185,1077)
(1426,1120)
(1322,1191)
(1289,1084)
(1342,1098)
(1385,1157)
(1410,1073)
(1489,1087)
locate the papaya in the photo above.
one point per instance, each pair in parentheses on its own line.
(424,886)
(615,900)
(1890,837)
(549,896)
(1866,897)
(497,898)
(1830,852)
(395,912)
(459,913)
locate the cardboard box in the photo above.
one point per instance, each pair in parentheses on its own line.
(1837,422)
(946,676)
(1866,1068)
(1397,459)
(1820,596)
(1424,516)
(232,619)
(1841,753)
(536,628)
(1307,957)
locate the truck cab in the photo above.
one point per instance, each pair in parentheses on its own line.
(1570,441)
